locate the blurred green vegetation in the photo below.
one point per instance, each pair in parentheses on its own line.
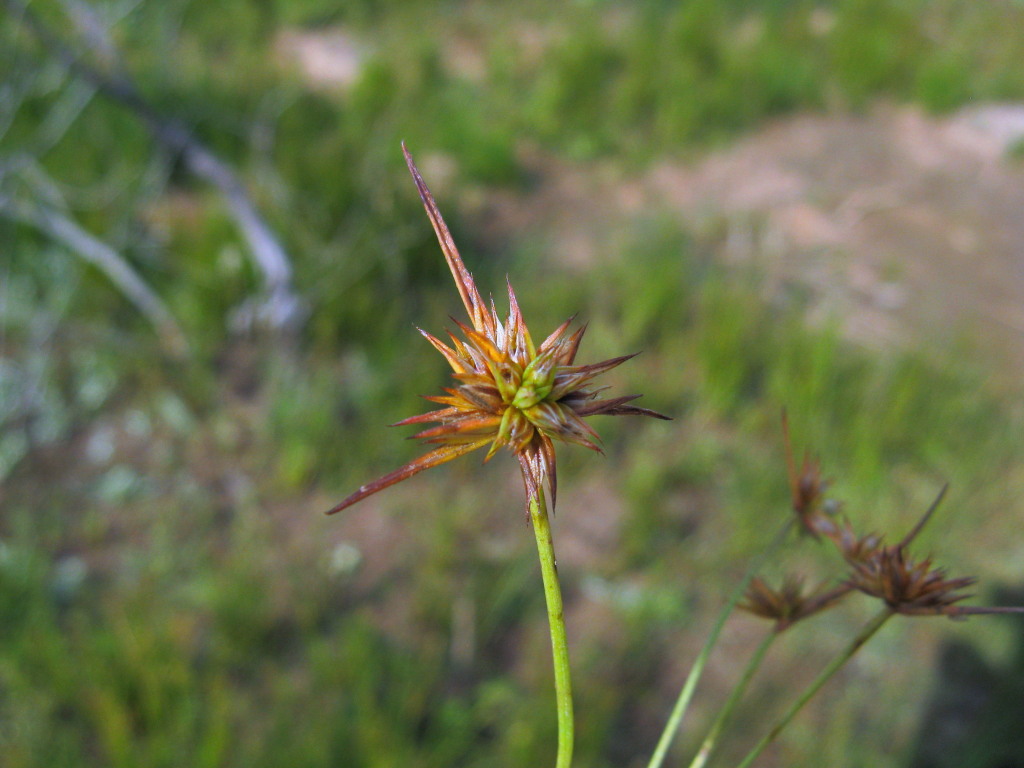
(169,594)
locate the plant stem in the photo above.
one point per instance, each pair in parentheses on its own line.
(686,694)
(725,712)
(556,623)
(862,637)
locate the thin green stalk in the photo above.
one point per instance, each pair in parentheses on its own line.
(556,622)
(725,712)
(855,645)
(686,694)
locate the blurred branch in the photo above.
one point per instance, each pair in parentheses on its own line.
(58,226)
(279,307)
(94,31)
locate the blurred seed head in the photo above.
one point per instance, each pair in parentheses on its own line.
(807,490)
(907,586)
(790,602)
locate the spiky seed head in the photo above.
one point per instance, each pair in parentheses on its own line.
(789,603)
(807,489)
(908,586)
(509,393)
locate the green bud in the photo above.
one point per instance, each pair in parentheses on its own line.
(538,381)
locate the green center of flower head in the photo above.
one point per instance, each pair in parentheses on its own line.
(537,382)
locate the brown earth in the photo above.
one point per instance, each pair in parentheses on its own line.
(908,228)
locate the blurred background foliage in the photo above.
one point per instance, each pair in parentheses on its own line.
(170,594)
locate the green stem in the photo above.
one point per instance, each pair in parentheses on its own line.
(737,693)
(685,695)
(556,622)
(855,645)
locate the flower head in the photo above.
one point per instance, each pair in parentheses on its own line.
(790,602)
(807,490)
(908,586)
(510,392)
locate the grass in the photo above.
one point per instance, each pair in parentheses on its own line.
(198,615)
(168,593)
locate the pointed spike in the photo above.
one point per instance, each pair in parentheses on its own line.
(563,349)
(596,407)
(458,344)
(463,279)
(458,439)
(483,343)
(572,346)
(457,364)
(426,461)
(513,323)
(555,335)
(453,401)
(571,378)
(523,348)
(474,378)
(570,417)
(794,480)
(464,426)
(912,534)
(501,333)
(498,443)
(438,415)
(486,399)
(616,406)
(561,423)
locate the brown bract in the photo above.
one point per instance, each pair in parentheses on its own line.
(789,603)
(509,392)
(807,489)
(907,586)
